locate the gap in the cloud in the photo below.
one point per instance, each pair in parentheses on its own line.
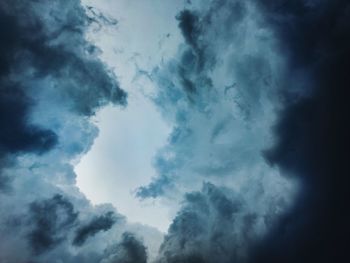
(121,160)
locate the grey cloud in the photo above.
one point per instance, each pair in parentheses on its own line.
(190,27)
(244,68)
(99,18)
(222,91)
(51,81)
(212,226)
(16,135)
(36,47)
(129,250)
(97,224)
(215,127)
(154,189)
(44,51)
(311,130)
(50,219)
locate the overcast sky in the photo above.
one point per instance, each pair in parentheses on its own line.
(163,131)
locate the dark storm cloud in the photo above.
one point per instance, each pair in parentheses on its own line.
(190,27)
(212,226)
(34,48)
(219,92)
(313,130)
(51,82)
(129,250)
(97,224)
(16,135)
(51,219)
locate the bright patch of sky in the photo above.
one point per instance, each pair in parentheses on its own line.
(121,158)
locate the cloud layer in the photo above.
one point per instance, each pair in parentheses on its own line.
(51,83)
(254,169)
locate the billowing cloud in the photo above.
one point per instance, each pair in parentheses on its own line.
(312,130)
(51,219)
(129,250)
(211,227)
(226,77)
(231,89)
(97,224)
(51,82)
(44,52)
(254,169)
(222,93)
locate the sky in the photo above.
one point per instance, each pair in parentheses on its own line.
(129,138)
(161,131)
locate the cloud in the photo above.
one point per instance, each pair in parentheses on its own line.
(128,250)
(312,129)
(189,25)
(212,226)
(44,50)
(221,93)
(257,95)
(51,82)
(97,224)
(284,79)
(17,135)
(51,219)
